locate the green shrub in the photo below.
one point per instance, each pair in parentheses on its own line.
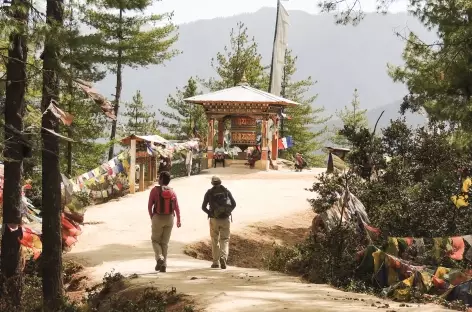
(328,257)
(279,259)
(407,196)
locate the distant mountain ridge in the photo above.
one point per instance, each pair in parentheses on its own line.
(339,58)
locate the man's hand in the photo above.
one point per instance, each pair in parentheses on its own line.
(179,224)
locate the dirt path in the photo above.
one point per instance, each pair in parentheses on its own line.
(120,241)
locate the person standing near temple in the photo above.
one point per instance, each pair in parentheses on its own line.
(222,204)
(299,162)
(162,208)
(254,156)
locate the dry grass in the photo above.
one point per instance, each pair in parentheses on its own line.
(75,281)
(118,293)
(248,250)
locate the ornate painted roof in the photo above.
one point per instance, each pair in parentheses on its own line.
(239,95)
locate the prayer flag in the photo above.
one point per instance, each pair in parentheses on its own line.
(66,118)
(278,53)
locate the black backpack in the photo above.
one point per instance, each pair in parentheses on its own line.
(220,203)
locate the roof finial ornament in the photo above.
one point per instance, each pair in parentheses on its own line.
(243,81)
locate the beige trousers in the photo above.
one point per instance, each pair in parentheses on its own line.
(161,230)
(219,233)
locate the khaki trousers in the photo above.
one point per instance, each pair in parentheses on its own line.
(219,233)
(161,230)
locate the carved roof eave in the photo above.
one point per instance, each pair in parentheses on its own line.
(256,116)
(272,103)
(242,109)
(219,110)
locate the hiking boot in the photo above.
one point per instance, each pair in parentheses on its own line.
(215,266)
(163,269)
(159,264)
(223,263)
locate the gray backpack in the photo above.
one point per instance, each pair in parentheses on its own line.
(220,203)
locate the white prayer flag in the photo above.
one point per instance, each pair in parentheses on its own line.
(280,45)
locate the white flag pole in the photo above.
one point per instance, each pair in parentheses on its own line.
(278,54)
(271,77)
(278,50)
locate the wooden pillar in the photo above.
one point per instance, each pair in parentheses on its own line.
(275,140)
(211,134)
(221,132)
(149,170)
(141,177)
(154,168)
(264,148)
(153,165)
(132,167)
(263,164)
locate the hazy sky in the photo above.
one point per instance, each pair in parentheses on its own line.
(191,10)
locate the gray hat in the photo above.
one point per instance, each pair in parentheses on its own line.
(215,180)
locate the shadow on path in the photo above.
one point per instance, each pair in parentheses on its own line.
(249,290)
(121,253)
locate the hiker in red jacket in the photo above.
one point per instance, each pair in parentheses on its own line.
(162,208)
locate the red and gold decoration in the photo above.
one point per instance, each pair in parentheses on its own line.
(244,122)
(243,138)
(243,130)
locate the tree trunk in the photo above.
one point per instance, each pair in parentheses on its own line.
(13,153)
(136,121)
(70,89)
(51,181)
(119,85)
(69,152)
(111,151)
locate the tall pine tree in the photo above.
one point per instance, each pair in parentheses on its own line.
(3,63)
(240,58)
(139,120)
(185,120)
(438,75)
(306,124)
(14,139)
(87,128)
(129,38)
(351,116)
(51,257)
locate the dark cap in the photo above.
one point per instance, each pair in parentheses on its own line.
(215,180)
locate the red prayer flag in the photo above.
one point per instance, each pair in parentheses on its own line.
(66,118)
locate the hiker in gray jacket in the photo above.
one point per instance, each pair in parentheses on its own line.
(221,204)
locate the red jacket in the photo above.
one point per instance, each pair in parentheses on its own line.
(166,193)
